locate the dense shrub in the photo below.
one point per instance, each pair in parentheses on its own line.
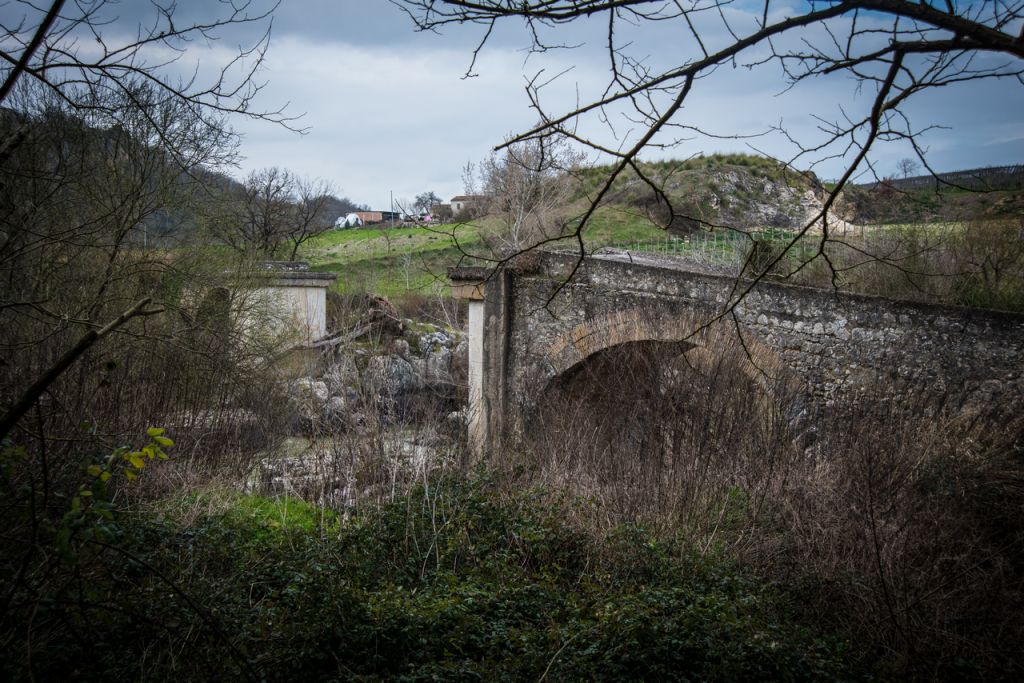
(976,263)
(457,580)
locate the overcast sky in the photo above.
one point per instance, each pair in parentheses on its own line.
(387,108)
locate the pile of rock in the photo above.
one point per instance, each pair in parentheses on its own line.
(391,380)
(313,476)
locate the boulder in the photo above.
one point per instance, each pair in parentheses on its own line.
(400,348)
(342,375)
(431,341)
(337,410)
(391,375)
(437,367)
(306,389)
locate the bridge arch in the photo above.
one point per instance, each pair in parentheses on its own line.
(698,341)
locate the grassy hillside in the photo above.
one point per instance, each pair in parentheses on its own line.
(390,262)
(393,261)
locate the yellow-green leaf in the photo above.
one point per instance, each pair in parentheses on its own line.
(105,476)
(95,471)
(129,474)
(163,441)
(136,461)
(154,431)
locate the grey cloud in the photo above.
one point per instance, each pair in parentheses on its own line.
(388,108)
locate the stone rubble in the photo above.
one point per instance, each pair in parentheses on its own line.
(362,389)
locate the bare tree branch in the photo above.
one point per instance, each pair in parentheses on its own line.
(893,50)
(36,389)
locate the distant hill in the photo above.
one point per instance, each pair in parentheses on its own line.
(336,208)
(178,225)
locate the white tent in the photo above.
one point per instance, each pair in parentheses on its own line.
(350,221)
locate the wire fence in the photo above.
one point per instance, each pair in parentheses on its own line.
(724,248)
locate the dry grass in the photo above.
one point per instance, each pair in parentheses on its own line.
(976,263)
(899,526)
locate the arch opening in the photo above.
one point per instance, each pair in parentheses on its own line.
(645,425)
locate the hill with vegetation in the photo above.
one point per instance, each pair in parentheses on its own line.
(749,192)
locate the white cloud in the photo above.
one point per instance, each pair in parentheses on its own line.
(382,119)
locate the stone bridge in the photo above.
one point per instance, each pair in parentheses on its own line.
(530,324)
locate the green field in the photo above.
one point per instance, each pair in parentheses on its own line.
(390,261)
(394,261)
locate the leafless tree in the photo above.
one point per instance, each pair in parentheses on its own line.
(527,184)
(891,50)
(425,201)
(993,251)
(271,211)
(124,134)
(46,44)
(310,213)
(907,167)
(469,178)
(100,151)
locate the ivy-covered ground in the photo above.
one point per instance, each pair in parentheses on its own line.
(456,581)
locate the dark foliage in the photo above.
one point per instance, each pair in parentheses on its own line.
(454,581)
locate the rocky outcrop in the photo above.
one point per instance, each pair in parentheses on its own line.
(746,199)
(424,369)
